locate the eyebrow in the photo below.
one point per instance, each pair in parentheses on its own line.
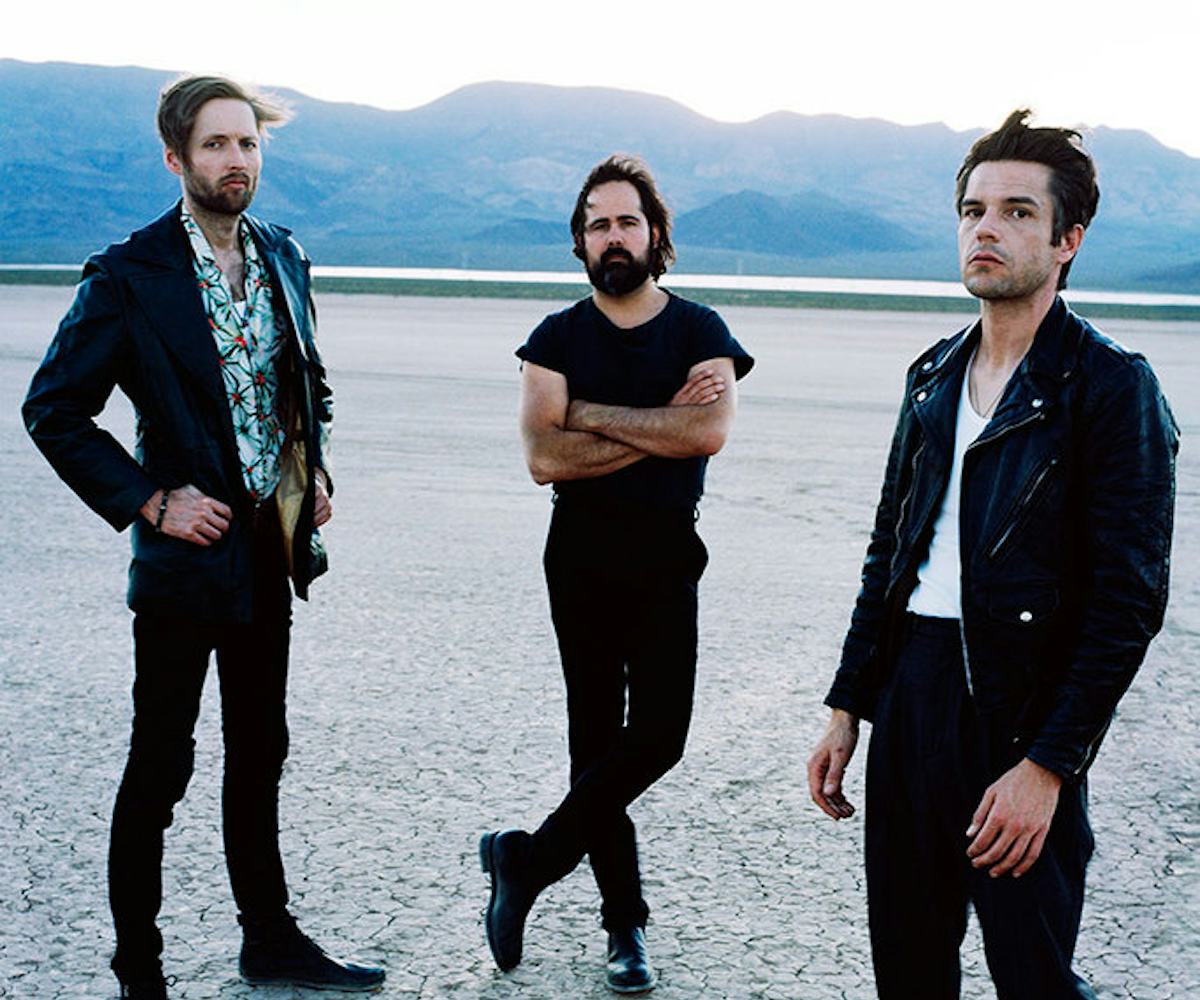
(1014,199)
(610,219)
(228,135)
(619,217)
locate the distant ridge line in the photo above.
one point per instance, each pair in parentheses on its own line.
(485,177)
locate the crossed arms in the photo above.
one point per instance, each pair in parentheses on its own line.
(568,438)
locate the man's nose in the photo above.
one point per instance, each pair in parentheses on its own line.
(986,227)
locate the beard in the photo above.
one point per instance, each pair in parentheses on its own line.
(217,198)
(618,272)
(1019,280)
(1019,286)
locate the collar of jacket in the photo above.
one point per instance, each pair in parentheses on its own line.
(163,241)
(1053,354)
(289,268)
(936,377)
(163,247)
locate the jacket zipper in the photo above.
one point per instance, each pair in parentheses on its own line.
(912,481)
(962,635)
(1023,503)
(1090,751)
(962,626)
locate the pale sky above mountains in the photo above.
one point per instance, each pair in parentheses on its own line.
(1122,65)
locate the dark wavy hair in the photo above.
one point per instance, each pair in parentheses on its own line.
(623,167)
(1073,187)
(180,102)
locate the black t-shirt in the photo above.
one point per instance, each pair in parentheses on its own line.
(644,366)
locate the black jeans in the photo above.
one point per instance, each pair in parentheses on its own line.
(931,758)
(170,661)
(622,589)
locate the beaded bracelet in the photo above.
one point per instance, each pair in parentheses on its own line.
(162,511)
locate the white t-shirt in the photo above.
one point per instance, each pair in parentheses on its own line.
(938,593)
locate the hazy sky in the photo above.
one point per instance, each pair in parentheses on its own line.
(1129,65)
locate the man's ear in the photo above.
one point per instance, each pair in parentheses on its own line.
(173,161)
(1069,245)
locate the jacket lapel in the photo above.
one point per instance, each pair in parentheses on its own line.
(1038,380)
(936,392)
(290,275)
(166,292)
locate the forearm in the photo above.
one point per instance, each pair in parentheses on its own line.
(852,687)
(69,389)
(1127,525)
(85,456)
(843,721)
(323,414)
(154,505)
(1082,709)
(665,431)
(322,466)
(558,455)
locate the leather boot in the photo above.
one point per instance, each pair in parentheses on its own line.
(629,969)
(505,858)
(147,988)
(277,952)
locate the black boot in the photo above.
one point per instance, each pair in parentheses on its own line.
(504,857)
(275,952)
(629,969)
(152,987)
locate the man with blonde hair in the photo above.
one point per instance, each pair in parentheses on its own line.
(205,321)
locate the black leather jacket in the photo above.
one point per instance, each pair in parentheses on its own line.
(138,322)
(1065,535)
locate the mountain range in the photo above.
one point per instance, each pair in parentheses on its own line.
(486,176)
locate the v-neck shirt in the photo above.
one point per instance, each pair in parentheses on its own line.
(938,593)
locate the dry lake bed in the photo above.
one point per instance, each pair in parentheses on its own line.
(426,704)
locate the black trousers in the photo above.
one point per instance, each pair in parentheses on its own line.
(171,657)
(622,589)
(930,759)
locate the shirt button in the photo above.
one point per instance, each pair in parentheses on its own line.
(1026,616)
(1036,404)
(921,396)
(925,367)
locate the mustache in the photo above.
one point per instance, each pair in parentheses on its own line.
(616,253)
(236,175)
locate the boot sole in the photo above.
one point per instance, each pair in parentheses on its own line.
(632,989)
(257,981)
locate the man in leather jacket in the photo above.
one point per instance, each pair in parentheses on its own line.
(205,321)
(1016,573)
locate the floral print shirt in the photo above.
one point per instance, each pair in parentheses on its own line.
(249,338)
